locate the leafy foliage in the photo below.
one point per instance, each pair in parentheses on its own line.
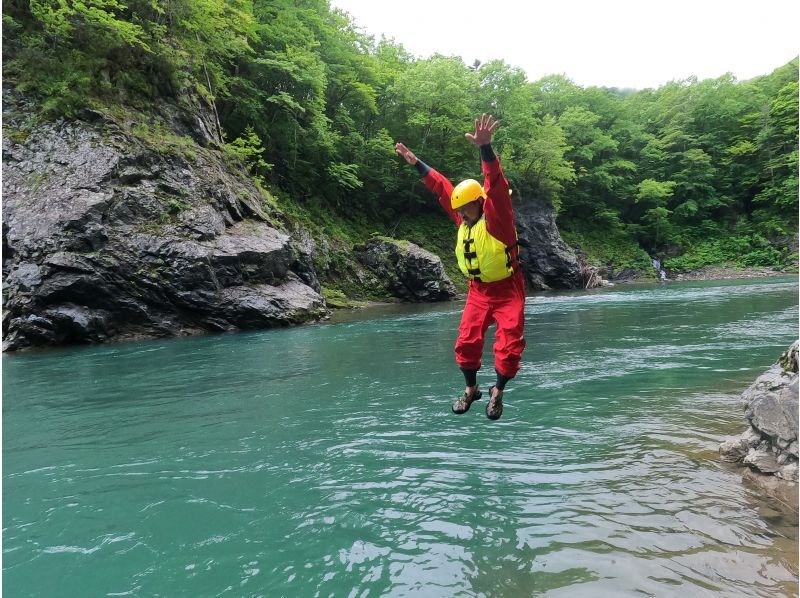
(312,106)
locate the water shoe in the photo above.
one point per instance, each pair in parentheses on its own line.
(462,403)
(494,408)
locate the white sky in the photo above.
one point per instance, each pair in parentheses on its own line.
(613,43)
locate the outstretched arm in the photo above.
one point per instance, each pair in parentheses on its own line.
(434,180)
(484,131)
(497,207)
(406,154)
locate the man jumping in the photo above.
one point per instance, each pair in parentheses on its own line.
(487,254)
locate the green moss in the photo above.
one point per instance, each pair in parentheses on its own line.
(108,260)
(158,137)
(175,206)
(338,300)
(149,130)
(15,135)
(37,180)
(269,200)
(152,228)
(402,244)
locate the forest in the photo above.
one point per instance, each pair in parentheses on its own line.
(695,172)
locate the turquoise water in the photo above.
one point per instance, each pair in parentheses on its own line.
(324,460)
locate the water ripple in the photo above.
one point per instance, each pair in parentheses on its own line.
(324,460)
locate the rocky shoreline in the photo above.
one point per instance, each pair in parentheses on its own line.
(124,225)
(769,446)
(726,272)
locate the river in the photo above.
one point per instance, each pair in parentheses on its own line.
(324,460)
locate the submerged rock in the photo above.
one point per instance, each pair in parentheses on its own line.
(769,445)
(406,270)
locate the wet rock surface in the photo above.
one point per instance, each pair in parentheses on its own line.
(769,445)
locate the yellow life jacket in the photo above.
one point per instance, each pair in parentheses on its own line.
(480,256)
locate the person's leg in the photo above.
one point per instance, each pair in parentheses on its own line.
(471,392)
(508,346)
(475,320)
(470,378)
(501,381)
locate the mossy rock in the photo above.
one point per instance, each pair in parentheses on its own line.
(338,300)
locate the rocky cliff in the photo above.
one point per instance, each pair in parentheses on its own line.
(405,270)
(107,235)
(121,224)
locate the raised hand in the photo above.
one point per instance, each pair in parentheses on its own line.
(484,129)
(405,153)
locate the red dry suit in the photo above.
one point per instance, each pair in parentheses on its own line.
(502,301)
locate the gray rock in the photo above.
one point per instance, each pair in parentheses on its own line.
(25,275)
(305,248)
(772,404)
(107,237)
(788,472)
(762,459)
(771,407)
(789,359)
(792,449)
(406,270)
(264,305)
(204,221)
(734,449)
(547,260)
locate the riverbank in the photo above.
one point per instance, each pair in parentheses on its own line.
(723,272)
(341,303)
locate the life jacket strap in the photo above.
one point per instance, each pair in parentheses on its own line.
(512,264)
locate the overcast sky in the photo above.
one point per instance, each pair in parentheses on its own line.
(614,43)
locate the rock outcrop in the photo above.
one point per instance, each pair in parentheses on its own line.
(548,262)
(106,236)
(770,443)
(406,270)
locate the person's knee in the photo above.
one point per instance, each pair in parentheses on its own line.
(511,342)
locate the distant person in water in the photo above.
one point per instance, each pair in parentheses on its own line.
(486,250)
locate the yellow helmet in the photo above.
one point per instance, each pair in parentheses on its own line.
(466,192)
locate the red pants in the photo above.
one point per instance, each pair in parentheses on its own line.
(502,302)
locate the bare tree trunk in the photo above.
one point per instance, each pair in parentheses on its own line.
(212,102)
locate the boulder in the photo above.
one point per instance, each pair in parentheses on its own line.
(735,449)
(547,261)
(107,236)
(407,271)
(769,445)
(772,405)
